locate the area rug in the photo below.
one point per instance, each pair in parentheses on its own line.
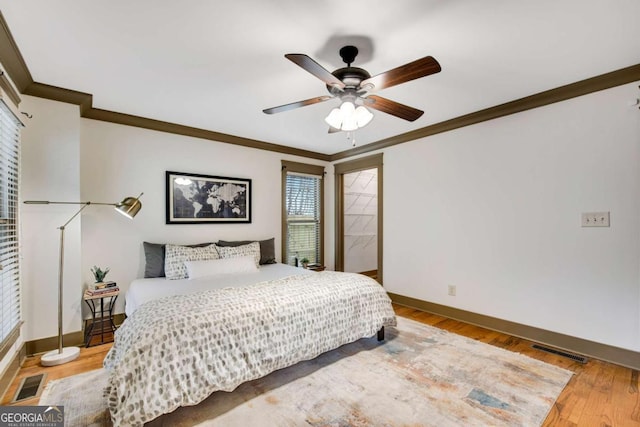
(419,376)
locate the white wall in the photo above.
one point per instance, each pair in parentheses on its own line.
(69,158)
(50,171)
(494,209)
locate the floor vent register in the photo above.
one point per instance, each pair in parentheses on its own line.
(571,356)
(29,387)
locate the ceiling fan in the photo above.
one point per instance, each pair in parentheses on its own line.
(354,86)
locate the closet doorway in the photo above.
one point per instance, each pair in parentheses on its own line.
(359,216)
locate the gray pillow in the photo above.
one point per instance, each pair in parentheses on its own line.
(154,259)
(154,254)
(267,248)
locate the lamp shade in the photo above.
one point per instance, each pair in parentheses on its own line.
(347,108)
(334,119)
(363,116)
(349,123)
(129,207)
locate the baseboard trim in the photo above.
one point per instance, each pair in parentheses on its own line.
(607,353)
(71,339)
(12,370)
(51,343)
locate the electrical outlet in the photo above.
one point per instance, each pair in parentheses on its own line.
(452,290)
(595,219)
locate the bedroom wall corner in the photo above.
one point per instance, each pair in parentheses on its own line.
(50,154)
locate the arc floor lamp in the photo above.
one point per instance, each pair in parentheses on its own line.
(129,207)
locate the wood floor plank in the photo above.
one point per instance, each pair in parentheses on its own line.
(599,394)
(634,396)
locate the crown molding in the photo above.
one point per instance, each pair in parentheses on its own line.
(40,90)
(87,111)
(8,89)
(562,93)
(12,59)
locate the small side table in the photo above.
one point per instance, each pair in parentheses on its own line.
(102,315)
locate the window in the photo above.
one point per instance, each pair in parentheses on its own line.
(302,226)
(9,272)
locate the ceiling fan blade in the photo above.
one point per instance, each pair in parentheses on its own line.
(394,108)
(314,68)
(287,107)
(405,73)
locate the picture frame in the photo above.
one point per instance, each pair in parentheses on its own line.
(205,199)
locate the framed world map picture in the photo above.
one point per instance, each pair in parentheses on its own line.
(199,199)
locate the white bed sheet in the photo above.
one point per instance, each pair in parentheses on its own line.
(144,290)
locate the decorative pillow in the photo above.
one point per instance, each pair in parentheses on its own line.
(214,267)
(252,249)
(154,254)
(267,248)
(154,259)
(175,256)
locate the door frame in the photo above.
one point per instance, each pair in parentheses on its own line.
(340,169)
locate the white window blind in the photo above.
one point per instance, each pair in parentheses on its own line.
(9,266)
(303,218)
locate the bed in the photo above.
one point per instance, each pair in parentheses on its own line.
(185,339)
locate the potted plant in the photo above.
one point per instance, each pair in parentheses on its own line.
(305,262)
(99,274)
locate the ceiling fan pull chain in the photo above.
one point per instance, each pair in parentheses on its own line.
(351,137)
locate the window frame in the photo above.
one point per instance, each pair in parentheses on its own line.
(309,169)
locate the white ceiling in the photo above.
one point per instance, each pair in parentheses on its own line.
(217,64)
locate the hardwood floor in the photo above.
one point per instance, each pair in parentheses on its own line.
(90,358)
(599,394)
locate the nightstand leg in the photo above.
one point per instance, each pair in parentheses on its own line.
(89,332)
(101,320)
(112,304)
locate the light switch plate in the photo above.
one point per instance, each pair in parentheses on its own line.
(595,219)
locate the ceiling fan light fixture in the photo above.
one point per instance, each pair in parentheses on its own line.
(363,116)
(349,123)
(334,119)
(347,108)
(348,117)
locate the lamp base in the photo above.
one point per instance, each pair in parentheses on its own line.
(54,357)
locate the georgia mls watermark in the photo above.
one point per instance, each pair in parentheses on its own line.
(31,416)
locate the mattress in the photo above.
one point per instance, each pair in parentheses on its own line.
(145,290)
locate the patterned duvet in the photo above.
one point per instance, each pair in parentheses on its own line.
(177,350)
